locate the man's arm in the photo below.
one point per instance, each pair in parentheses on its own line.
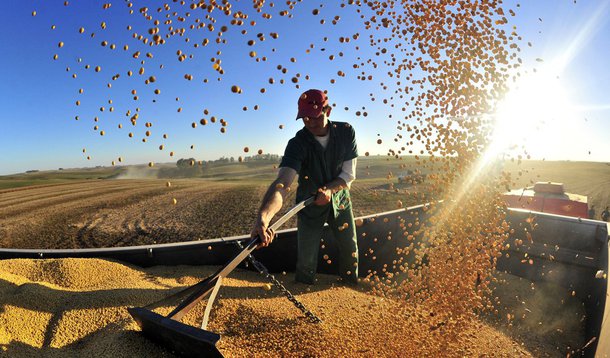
(272,203)
(348,171)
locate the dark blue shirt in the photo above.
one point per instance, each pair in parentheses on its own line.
(317,166)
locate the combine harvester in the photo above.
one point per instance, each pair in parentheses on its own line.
(567,251)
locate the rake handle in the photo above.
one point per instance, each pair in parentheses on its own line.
(204,287)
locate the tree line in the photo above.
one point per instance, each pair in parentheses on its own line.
(190,162)
(193,168)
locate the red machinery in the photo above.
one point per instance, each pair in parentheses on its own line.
(550,198)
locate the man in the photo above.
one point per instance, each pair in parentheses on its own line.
(323,154)
(606,214)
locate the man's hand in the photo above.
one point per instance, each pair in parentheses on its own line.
(323,196)
(264,232)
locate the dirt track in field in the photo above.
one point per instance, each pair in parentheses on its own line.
(102,213)
(112,213)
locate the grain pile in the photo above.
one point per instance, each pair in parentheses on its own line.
(75,307)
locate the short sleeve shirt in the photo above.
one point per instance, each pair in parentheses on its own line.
(317,166)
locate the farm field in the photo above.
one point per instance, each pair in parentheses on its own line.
(81,210)
(95,208)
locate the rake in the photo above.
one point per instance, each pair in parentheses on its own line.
(186,340)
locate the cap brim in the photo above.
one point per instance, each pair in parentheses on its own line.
(311,113)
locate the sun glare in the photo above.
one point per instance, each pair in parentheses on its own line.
(533,116)
(534,120)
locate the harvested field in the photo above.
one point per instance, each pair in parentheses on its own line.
(111,213)
(124,212)
(106,213)
(75,307)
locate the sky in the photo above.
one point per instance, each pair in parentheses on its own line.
(559,112)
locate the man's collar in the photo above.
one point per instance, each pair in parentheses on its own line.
(310,136)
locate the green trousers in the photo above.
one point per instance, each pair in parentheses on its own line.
(310,229)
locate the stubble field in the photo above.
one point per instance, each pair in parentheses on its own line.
(61,211)
(94,211)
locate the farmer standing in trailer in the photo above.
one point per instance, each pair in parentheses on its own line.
(323,154)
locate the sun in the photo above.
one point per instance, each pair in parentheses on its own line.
(533,117)
(531,121)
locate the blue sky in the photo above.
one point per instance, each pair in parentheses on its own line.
(38,95)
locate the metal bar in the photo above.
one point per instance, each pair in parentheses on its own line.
(291,212)
(203,288)
(185,306)
(208,307)
(209,283)
(240,257)
(180,294)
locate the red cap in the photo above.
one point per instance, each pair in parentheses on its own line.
(312,103)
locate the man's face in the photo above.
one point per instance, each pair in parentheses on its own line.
(317,126)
